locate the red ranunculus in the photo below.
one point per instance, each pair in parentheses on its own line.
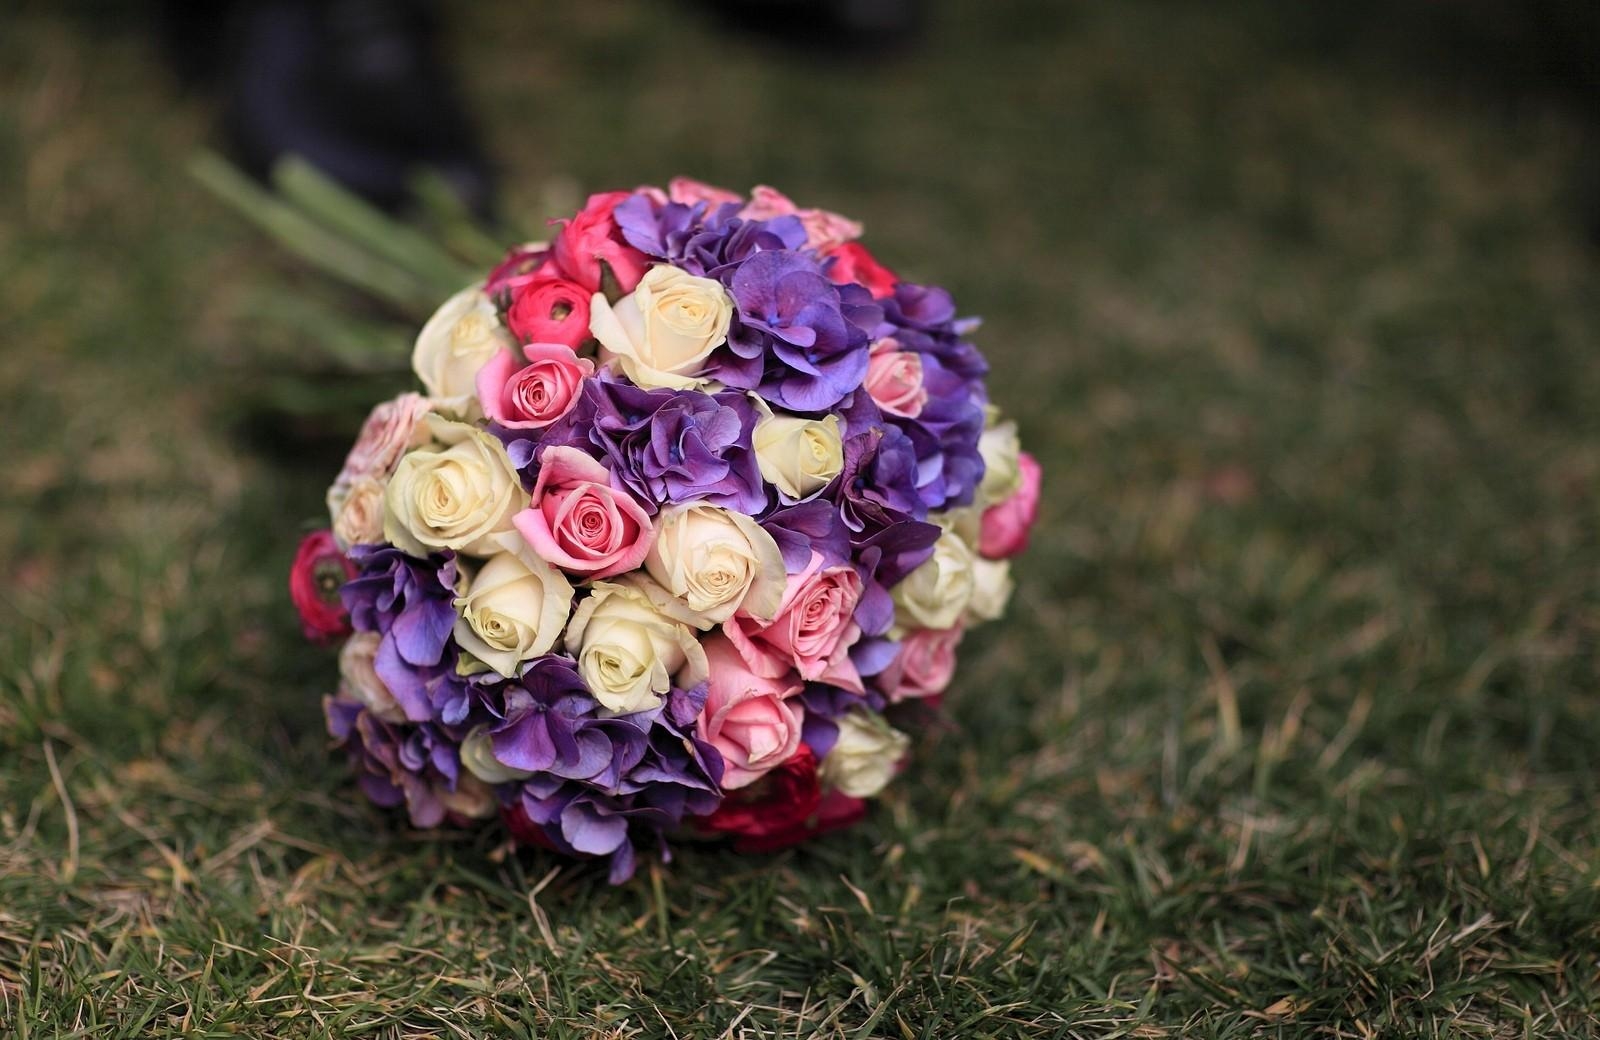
(591,239)
(852,263)
(318,572)
(522,265)
(783,808)
(550,310)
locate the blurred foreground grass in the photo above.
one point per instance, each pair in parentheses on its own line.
(1292,731)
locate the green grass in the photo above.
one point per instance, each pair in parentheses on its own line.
(1292,730)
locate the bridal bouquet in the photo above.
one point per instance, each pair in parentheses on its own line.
(696,506)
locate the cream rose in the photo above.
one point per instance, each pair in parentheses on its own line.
(1002,474)
(359,677)
(991,589)
(630,650)
(359,517)
(797,456)
(864,758)
(937,593)
(458,492)
(716,561)
(477,755)
(662,332)
(512,609)
(456,342)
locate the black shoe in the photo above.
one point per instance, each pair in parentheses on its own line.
(356,88)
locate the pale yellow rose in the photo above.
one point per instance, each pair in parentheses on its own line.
(937,593)
(863,759)
(359,678)
(472,798)
(629,650)
(477,756)
(716,561)
(455,343)
(662,332)
(797,456)
(358,519)
(512,609)
(1002,475)
(991,589)
(459,492)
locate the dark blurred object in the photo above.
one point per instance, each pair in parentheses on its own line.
(356,87)
(855,25)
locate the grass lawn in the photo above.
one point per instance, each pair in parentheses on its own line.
(1294,728)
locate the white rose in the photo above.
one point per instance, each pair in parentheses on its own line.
(863,759)
(1002,475)
(357,659)
(358,519)
(512,610)
(991,589)
(453,346)
(458,492)
(477,755)
(937,593)
(716,561)
(629,651)
(797,456)
(662,332)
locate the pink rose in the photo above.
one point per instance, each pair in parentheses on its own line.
(577,521)
(689,191)
(1006,525)
(813,630)
(894,379)
(924,665)
(592,238)
(852,263)
(532,396)
(390,430)
(550,310)
(753,721)
(824,230)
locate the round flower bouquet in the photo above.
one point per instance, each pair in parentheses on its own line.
(691,517)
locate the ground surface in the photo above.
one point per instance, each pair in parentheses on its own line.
(1293,728)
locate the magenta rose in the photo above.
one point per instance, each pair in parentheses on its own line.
(752,720)
(591,239)
(1006,525)
(813,631)
(550,310)
(894,379)
(532,396)
(924,665)
(578,522)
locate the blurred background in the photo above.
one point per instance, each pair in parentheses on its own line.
(1298,306)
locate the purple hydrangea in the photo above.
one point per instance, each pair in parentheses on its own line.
(668,445)
(604,781)
(797,338)
(825,704)
(702,239)
(418,766)
(409,602)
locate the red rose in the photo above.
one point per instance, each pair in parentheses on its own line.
(318,572)
(783,808)
(551,310)
(852,263)
(592,238)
